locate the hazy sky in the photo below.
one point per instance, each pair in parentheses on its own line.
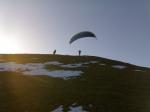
(40,26)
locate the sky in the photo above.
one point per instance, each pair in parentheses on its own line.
(40,26)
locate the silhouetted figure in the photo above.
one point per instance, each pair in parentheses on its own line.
(79,52)
(54,52)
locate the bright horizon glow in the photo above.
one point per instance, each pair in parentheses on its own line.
(9,45)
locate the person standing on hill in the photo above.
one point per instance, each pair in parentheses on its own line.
(79,52)
(54,52)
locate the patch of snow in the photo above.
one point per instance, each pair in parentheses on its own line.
(12,66)
(35,65)
(74,104)
(72,65)
(86,63)
(90,62)
(53,63)
(119,66)
(138,70)
(59,109)
(1,69)
(72,109)
(57,73)
(77,109)
(37,69)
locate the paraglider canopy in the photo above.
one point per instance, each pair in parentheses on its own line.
(82,35)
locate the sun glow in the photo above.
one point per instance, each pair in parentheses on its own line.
(9,45)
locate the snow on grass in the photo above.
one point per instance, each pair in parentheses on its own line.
(91,62)
(38,69)
(12,66)
(72,65)
(53,63)
(77,109)
(72,109)
(119,66)
(138,70)
(76,65)
(59,109)
(57,73)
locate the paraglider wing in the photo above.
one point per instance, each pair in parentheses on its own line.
(82,35)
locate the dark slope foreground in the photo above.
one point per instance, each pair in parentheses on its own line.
(103,86)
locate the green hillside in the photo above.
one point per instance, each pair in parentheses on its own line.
(103,86)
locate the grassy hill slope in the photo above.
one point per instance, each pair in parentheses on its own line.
(103,86)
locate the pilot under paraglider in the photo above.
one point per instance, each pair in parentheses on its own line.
(83,34)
